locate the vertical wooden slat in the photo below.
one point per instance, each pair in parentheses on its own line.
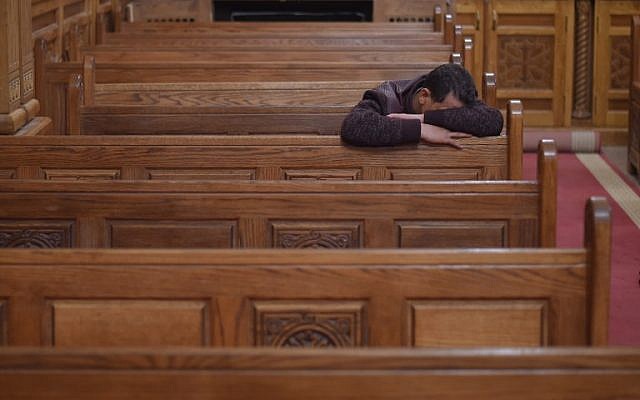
(437,18)
(515,130)
(467,57)
(89,78)
(597,240)
(489,89)
(448,29)
(73,103)
(547,179)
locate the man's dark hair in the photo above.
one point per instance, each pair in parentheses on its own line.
(451,78)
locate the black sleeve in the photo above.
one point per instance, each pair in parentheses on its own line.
(477,119)
(367,125)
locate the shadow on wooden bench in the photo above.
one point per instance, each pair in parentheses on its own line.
(310,298)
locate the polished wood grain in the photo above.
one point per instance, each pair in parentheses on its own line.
(250,157)
(278,214)
(206,108)
(320,298)
(501,374)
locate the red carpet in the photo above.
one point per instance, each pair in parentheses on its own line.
(575,185)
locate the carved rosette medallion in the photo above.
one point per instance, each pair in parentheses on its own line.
(315,240)
(316,234)
(526,62)
(306,330)
(309,323)
(28,238)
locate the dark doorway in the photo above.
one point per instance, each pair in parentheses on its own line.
(293,10)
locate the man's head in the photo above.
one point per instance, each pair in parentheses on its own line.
(447,86)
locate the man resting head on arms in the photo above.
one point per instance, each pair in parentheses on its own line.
(437,108)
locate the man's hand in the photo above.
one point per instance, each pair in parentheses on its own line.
(419,117)
(435,135)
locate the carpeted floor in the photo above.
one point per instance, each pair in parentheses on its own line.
(581,175)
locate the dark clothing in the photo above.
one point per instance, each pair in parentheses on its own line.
(368,125)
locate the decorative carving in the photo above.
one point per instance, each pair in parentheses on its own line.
(309,324)
(526,62)
(583,54)
(31,238)
(314,239)
(14,90)
(27,79)
(620,62)
(333,235)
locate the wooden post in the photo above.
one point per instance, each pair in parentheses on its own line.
(89,78)
(458,40)
(73,103)
(489,89)
(515,130)
(437,18)
(448,29)
(467,55)
(548,179)
(597,240)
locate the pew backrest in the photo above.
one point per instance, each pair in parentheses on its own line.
(394,374)
(282,214)
(300,298)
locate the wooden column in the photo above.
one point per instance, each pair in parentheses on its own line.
(12,115)
(27,74)
(582,83)
(17,102)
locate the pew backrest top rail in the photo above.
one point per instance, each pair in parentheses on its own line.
(580,360)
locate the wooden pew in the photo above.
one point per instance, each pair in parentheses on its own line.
(254,157)
(633,155)
(56,76)
(317,298)
(393,374)
(208,108)
(282,214)
(133,40)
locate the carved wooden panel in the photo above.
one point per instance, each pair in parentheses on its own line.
(36,234)
(316,234)
(526,62)
(528,44)
(7,173)
(408,174)
(308,323)
(81,174)
(203,174)
(171,234)
(458,323)
(322,174)
(3,322)
(612,57)
(113,322)
(620,63)
(443,234)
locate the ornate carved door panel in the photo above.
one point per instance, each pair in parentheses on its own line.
(612,61)
(529,44)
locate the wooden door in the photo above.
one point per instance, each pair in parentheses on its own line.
(612,61)
(469,14)
(529,44)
